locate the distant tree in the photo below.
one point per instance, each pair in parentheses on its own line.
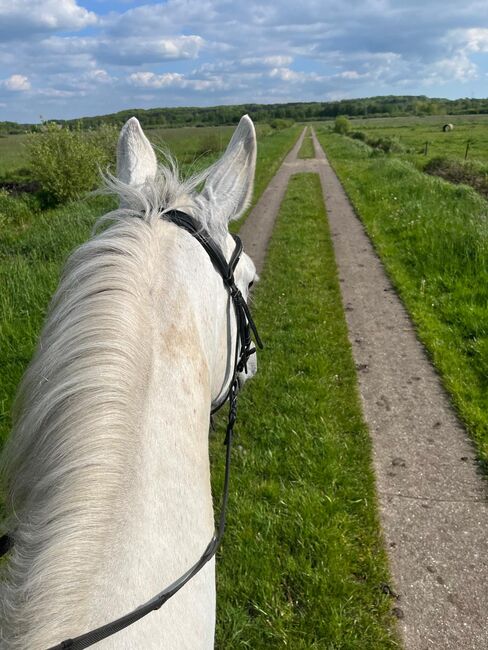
(66,162)
(342,125)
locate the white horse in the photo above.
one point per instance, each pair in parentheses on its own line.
(107,471)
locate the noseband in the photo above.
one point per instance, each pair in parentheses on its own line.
(243,350)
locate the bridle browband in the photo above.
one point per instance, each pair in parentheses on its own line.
(243,350)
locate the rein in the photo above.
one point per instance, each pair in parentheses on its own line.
(243,350)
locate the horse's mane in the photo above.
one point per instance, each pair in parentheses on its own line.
(77,414)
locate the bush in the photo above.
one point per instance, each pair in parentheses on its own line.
(359,135)
(66,162)
(458,171)
(342,125)
(13,210)
(279,124)
(386,144)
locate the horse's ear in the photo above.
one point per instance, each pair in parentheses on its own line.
(136,160)
(229,185)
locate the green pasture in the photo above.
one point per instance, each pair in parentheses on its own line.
(433,239)
(302,564)
(417,132)
(13,154)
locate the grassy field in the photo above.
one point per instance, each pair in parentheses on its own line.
(188,144)
(415,132)
(302,564)
(307,150)
(192,146)
(13,154)
(34,245)
(433,239)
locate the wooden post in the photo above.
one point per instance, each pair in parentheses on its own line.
(467,149)
(426,148)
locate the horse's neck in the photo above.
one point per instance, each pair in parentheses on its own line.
(111,549)
(167,516)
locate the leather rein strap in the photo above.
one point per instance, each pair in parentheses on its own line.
(243,351)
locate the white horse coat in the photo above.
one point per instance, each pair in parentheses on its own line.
(107,470)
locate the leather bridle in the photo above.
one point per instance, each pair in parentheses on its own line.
(243,350)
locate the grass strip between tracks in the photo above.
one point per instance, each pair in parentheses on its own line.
(307,150)
(302,564)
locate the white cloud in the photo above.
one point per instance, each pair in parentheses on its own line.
(151,80)
(174,80)
(19,18)
(17,82)
(215,51)
(99,76)
(136,51)
(472,40)
(271,61)
(285,74)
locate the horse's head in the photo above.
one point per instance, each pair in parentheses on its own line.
(225,195)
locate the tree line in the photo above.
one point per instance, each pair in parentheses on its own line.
(392,105)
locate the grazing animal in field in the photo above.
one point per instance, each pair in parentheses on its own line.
(106,473)
(447,127)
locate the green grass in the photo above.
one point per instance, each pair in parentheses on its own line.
(433,239)
(307,150)
(32,250)
(302,564)
(415,132)
(13,155)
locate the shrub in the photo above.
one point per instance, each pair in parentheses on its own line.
(359,135)
(66,162)
(279,123)
(387,144)
(13,210)
(458,171)
(342,125)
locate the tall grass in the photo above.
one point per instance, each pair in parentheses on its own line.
(433,239)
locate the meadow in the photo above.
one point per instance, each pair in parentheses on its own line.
(432,237)
(416,132)
(13,155)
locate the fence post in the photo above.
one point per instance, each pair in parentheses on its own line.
(426,148)
(467,149)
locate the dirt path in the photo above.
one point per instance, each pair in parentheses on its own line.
(257,228)
(433,504)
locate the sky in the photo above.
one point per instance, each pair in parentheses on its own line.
(69,58)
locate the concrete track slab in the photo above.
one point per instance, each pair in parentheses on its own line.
(433,501)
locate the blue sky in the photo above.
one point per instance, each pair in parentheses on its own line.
(69,58)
